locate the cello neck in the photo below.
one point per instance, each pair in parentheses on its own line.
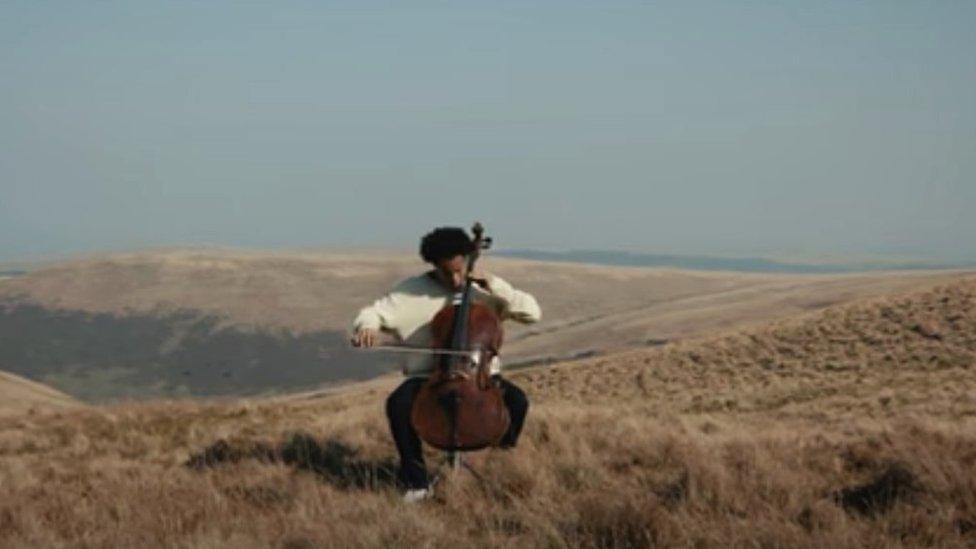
(463,301)
(459,335)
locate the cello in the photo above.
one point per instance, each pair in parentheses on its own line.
(459,407)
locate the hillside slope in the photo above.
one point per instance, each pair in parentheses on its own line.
(913,352)
(235,322)
(850,427)
(19,395)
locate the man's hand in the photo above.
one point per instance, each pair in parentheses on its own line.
(481,279)
(364,338)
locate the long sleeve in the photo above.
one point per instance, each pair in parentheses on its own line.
(378,316)
(517,305)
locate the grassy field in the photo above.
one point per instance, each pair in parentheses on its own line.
(848,427)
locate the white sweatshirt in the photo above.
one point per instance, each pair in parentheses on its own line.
(407,310)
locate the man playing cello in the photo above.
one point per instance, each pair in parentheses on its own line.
(406,312)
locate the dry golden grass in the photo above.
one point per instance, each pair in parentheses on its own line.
(917,351)
(19,395)
(851,427)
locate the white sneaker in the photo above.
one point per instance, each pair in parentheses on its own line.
(417,494)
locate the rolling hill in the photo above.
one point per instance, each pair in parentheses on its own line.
(232,322)
(19,396)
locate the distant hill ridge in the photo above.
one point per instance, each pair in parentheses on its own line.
(716,263)
(246,322)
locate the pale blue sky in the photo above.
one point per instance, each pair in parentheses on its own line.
(686,127)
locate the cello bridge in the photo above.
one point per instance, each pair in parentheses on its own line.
(463,368)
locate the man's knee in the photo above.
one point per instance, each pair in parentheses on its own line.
(515,398)
(518,402)
(401,399)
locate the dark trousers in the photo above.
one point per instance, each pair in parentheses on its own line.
(413,472)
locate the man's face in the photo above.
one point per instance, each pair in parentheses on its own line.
(451,271)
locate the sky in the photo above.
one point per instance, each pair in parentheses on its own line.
(795,129)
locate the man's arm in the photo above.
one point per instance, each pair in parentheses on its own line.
(372,319)
(517,305)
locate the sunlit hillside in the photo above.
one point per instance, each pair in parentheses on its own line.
(19,396)
(237,322)
(849,427)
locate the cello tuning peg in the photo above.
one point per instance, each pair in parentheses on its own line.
(486,243)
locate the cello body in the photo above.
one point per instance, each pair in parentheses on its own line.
(459,408)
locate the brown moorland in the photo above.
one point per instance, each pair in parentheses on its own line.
(237,322)
(19,395)
(848,427)
(309,291)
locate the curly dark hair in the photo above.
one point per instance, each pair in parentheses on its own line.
(445,243)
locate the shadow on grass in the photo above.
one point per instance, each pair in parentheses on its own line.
(895,483)
(332,460)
